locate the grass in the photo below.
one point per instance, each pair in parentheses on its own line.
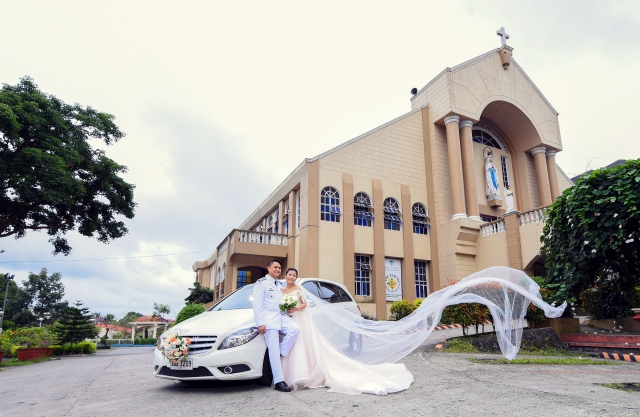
(545,361)
(15,362)
(623,386)
(459,346)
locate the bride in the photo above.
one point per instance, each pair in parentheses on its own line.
(315,362)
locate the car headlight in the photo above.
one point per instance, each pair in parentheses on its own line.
(239,338)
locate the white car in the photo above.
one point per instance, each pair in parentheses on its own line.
(226,344)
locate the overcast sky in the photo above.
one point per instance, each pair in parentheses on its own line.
(221,100)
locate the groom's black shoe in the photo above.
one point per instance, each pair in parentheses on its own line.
(283,387)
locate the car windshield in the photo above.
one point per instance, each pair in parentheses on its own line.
(243,298)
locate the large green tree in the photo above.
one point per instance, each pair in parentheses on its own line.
(50,177)
(76,325)
(199,294)
(45,294)
(592,234)
(17,313)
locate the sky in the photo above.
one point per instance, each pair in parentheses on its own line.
(221,100)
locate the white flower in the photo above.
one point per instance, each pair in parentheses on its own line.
(620,227)
(586,242)
(553,304)
(615,215)
(593,251)
(597,214)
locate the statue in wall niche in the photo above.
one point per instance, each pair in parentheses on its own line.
(492,184)
(509,199)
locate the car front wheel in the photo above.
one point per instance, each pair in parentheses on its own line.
(267,376)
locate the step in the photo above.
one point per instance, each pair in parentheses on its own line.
(603,345)
(620,339)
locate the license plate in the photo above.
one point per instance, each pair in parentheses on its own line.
(183,365)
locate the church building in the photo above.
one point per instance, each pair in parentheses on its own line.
(456,185)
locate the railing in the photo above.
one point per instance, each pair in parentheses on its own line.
(265,238)
(533,216)
(493,227)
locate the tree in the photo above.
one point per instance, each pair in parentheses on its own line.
(128,318)
(160,309)
(592,235)
(45,295)
(50,177)
(188,311)
(199,294)
(75,324)
(17,313)
(107,320)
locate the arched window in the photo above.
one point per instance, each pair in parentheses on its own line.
(224,273)
(392,219)
(420,219)
(330,205)
(298,210)
(218,276)
(362,215)
(285,218)
(483,134)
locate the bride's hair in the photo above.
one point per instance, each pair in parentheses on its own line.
(291,269)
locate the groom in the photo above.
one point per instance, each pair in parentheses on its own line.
(267,293)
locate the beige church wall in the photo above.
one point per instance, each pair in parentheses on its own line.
(421,247)
(440,174)
(363,240)
(330,234)
(205,277)
(492,251)
(370,308)
(393,153)
(438,96)
(393,244)
(454,263)
(564,181)
(480,82)
(530,241)
(531,180)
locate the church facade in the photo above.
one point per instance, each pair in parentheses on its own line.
(458,184)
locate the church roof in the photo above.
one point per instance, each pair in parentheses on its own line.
(480,58)
(611,165)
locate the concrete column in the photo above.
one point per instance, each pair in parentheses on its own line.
(553,174)
(348,233)
(542,175)
(455,167)
(468,169)
(133,333)
(514,249)
(155,330)
(291,247)
(281,217)
(378,289)
(408,281)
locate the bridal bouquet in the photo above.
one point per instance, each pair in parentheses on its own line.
(288,302)
(175,347)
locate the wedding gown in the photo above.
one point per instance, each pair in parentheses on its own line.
(314,362)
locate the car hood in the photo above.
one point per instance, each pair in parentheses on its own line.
(218,322)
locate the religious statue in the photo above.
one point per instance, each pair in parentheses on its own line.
(509,199)
(492,184)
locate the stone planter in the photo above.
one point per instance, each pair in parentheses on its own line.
(33,353)
(562,325)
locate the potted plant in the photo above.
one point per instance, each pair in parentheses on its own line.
(34,342)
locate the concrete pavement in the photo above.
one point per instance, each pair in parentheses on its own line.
(120,383)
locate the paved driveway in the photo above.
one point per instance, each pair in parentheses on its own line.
(119,383)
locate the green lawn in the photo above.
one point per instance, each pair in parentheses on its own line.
(15,362)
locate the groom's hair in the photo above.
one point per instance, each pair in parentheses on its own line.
(274,260)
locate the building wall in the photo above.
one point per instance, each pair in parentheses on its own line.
(330,233)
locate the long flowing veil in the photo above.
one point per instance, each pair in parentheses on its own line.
(506,292)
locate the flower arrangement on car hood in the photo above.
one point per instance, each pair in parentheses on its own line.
(175,347)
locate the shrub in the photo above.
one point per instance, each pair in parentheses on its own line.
(188,311)
(87,347)
(534,314)
(142,341)
(417,303)
(467,314)
(57,350)
(401,309)
(606,302)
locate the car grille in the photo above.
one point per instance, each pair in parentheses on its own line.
(201,344)
(198,372)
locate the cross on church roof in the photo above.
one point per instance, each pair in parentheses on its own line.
(503,36)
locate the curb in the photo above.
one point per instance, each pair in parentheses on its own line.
(617,357)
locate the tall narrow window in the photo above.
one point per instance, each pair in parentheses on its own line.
(420,216)
(298,210)
(330,205)
(362,215)
(392,219)
(421,276)
(505,171)
(363,275)
(285,219)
